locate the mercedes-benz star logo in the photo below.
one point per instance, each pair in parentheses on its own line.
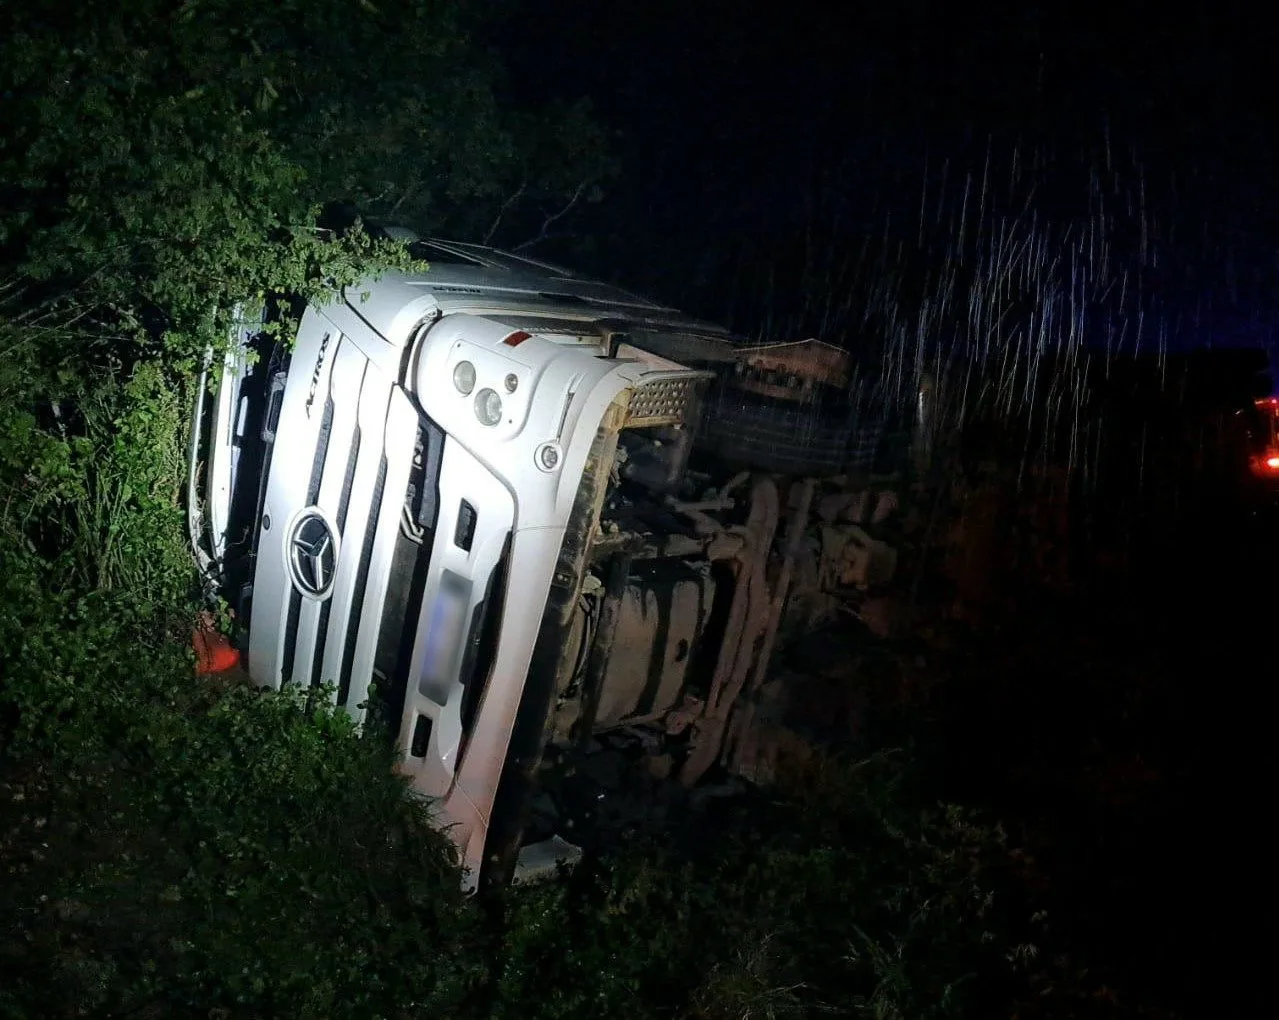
(312,555)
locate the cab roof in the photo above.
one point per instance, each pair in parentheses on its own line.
(487,281)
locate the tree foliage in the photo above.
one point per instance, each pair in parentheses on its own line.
(164,159)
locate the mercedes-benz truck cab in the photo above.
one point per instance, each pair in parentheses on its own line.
(400,508)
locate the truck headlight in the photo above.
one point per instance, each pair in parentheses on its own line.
(488,407)
(464,377)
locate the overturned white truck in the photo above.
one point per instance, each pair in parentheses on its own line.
(503,509)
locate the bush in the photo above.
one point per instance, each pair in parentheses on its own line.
(170,847)
(846,901)
(181,848)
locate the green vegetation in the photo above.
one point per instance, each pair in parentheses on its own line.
(837,900)
(171,847)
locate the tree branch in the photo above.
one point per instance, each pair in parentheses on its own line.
(408,193)
(515,197)
(543,234)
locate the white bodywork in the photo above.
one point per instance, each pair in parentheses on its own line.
(364,375)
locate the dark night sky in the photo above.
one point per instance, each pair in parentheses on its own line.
(733,119)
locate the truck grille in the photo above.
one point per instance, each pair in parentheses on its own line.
(665,401)
(357,466)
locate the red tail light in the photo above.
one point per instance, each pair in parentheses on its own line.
(1266,465)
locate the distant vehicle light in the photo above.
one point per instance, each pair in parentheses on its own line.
(1266,465)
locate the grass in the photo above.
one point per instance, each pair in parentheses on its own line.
(176,848)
